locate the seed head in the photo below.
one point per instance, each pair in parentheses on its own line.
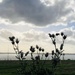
(50,35)
(40,49)
(52,52)
(17,41)
(57,34)
(64,37)
(37,46)
(62,33)
(53,35)
(46,55)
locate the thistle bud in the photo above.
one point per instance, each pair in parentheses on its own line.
(10,38)
(61,47)
(57,34)
(46,55)
(17,41)
(37,47)
(53,35)
(13,37)
(53,52)
(40,49)
(32,49)
(56,50)
(64,37)
(13,42)
(62,33)
(50,35)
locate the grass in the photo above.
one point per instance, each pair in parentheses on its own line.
(66,67)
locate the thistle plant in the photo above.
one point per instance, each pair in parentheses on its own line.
(38,63)
(56,54)
(20,55)
(36,67)
(38,50)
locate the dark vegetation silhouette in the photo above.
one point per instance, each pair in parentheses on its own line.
(37,65)
(56,54)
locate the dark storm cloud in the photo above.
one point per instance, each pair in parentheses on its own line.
(33,11)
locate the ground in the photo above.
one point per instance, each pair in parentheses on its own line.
(66,67)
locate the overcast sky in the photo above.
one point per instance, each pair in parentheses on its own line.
(32,20)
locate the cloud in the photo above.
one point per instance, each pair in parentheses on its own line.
(36,12)
(4,34)
(28,36)
(70,32)
(33,35)
(38,36)
(41,38)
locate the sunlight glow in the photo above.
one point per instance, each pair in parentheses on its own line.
(1,1)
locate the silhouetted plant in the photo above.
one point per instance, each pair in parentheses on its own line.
(20,55)
(56,54)
(38,67)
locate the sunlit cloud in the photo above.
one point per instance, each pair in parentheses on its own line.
(1,1)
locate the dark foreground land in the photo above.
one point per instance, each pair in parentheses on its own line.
(67,67)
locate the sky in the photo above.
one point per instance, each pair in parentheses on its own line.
(31,20)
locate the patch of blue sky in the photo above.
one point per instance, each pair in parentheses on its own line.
(71,25)
(51,28)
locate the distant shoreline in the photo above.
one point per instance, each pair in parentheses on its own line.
(11,56)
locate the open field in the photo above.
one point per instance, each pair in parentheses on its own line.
(67,67)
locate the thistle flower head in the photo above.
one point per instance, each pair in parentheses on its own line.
(52,52)
(17,41)
(53,35)
(46,55)
(57,34)
(50,35)
(32,49)
(13,42)
(62,33)
(11,38)
(61,46)
(64,37)
(40,49)
(57,50)
(37,46)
